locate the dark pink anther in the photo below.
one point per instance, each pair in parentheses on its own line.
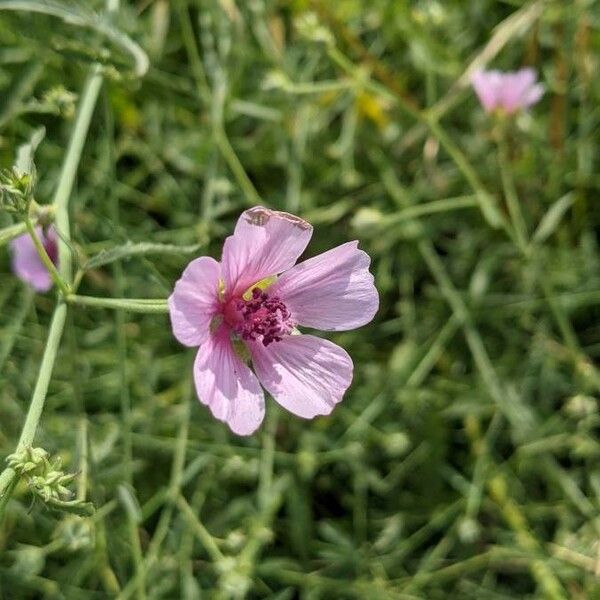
(264,318)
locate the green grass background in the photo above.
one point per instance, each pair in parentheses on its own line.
(464,461)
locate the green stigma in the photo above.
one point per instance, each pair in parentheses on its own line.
(221,290)
(263,284)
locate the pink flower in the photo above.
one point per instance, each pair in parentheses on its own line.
(239,307)
(26,263)
(508,92)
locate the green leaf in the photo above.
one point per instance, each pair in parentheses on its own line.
(25,152)
(130,249)
(130,503)
(141,305)
(75,507)
(551,220)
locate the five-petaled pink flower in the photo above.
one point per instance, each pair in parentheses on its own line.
(239,306)
(26,263)
(507,92)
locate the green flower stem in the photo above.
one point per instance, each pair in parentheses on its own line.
(510,194)
(234,163)
(517,414)
(580,360)
(430,208)
(89,96)
(317,87)
(139,305)
(196,526)
(54,274)
(194,59)
(509,404)
(487,203)
(83,444)
(7,478)
(69,170)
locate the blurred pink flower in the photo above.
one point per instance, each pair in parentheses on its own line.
(26,263)
(508,92)
(238,307)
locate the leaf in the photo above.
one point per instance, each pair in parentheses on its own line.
(25,152)
(80,17)
(75,507)
(141,249)
(551,220)
(130,503)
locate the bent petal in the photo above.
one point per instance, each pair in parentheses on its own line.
(305,374)
(265,242)
(515,87)
(533,95)
(227,386)
(333,291)
(487,86)
(195,301)
(26,263)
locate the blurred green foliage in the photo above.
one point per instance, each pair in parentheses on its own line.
(463,462)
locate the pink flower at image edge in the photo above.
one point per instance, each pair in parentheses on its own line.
(26,263)
(509,92)
(218,305)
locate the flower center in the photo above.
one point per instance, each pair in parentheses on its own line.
(262,317)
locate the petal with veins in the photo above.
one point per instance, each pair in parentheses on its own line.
(227,385)
(265,242)
(306,375)
(333,291)
(194,301)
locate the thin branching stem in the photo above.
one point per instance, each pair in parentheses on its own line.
(139,305)
(61,203)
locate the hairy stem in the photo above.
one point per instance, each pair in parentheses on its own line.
(7,478)
(69,170)
(138,305)
(510,193)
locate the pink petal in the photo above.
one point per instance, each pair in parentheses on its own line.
(227,385)
(487,86)
(26,263)
(305,374)
(533,95)
(264,243)
(333,291)
(515,87)
(194,301)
